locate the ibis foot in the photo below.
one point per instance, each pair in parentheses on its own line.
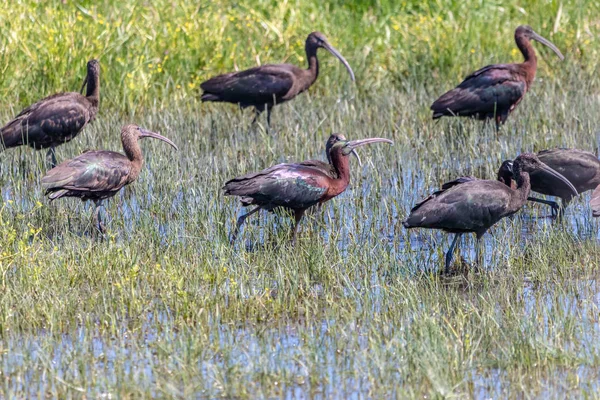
(460,268)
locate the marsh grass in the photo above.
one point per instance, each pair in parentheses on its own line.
(165,307)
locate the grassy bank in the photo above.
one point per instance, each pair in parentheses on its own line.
(157,53)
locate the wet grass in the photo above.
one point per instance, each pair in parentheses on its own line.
(165,307)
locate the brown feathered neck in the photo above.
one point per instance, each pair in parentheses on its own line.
(133,152)
(313,63)
(521,192)
(341,165)
(530,64)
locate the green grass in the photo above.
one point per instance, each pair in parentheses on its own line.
(165,307)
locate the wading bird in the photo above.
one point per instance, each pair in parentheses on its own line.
(99,174)
(56,119)
(296,187)
(472,205)
(580,167)
(494,91)
(267,85)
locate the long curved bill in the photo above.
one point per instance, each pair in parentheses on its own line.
(350,147)
(336,53)
(147,133)
(547,43)
(84,84)
(559,176)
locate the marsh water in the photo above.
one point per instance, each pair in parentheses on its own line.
(163,306)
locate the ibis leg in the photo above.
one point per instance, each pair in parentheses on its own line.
(553,204)
(51,157)
(98,218)
(239,224)
(257,111)
(500,120)
(450,251)
(256,115)
(298,214)
(269,116)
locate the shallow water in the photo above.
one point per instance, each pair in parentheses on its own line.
(370,319)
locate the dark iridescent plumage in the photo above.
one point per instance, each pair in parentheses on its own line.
(494,91)
(297,186)
(472,205)
(581,168)
(267,85)
(56,119)
(98,175)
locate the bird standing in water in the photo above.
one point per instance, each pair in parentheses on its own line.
(494,91)
(474,205)
(99,174)
(297,186)
(580,167)
(56,119)
(267,85)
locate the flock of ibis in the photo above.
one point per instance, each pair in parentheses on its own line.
(464,205)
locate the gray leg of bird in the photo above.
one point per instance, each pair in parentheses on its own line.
(51,157)
(239,224)
(298,214)
(98,218)
(553,204)
(450,252)
(256,115)
(269,116)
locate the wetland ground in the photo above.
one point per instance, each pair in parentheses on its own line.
(166,307)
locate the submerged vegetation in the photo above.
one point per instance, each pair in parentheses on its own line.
(164,306)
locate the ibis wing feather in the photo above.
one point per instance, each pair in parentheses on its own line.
(471,206)
(458,181)
(92,171)
(260,85)
(283,185)
(57,118)
(494,89)
(445,187)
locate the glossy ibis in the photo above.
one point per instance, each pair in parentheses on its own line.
(494,91)
(56,119)
(298,186)
(472,205)
(580,167)
(99,174)
(267,85)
